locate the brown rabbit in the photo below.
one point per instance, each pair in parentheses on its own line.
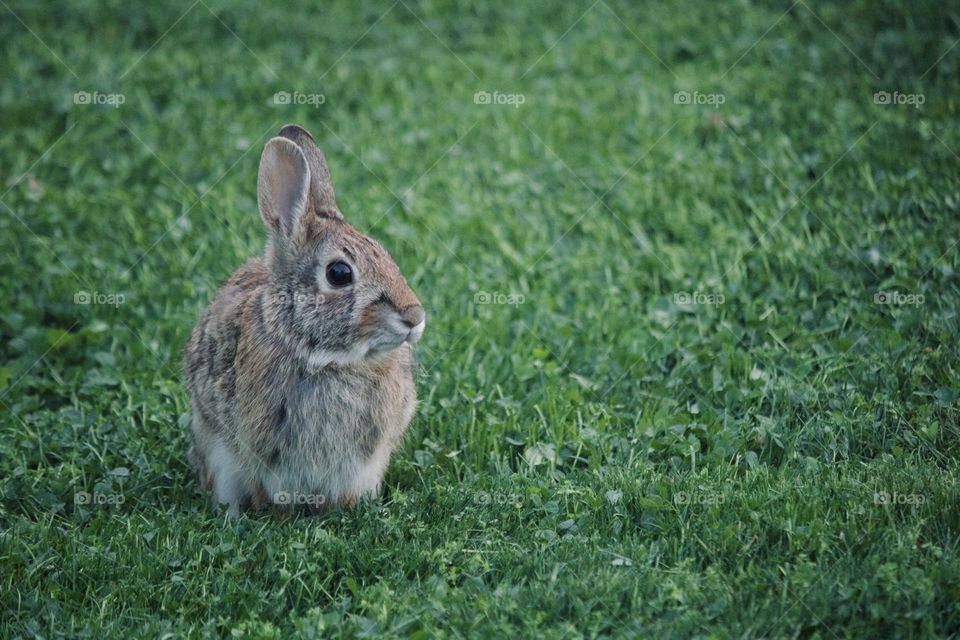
(300,372)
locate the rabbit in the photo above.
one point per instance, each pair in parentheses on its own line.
(301,371)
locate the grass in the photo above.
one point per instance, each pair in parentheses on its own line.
(595,457)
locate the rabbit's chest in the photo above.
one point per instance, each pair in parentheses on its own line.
(336,435)
(340,415)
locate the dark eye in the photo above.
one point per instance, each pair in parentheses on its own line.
(339,274)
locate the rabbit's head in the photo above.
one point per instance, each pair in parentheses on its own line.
(334,293)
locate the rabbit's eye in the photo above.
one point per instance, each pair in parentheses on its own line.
(339,274)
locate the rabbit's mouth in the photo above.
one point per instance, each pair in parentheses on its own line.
(395,332)
(416,332)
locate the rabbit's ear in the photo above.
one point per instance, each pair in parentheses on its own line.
(283,185)
(321,186)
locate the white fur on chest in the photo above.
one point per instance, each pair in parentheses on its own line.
(341,436)
(333,446)
(299,479)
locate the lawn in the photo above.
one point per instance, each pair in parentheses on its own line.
(691,364)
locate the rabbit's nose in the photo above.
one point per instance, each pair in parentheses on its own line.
(412,316)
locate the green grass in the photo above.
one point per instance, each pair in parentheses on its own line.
(598,459)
